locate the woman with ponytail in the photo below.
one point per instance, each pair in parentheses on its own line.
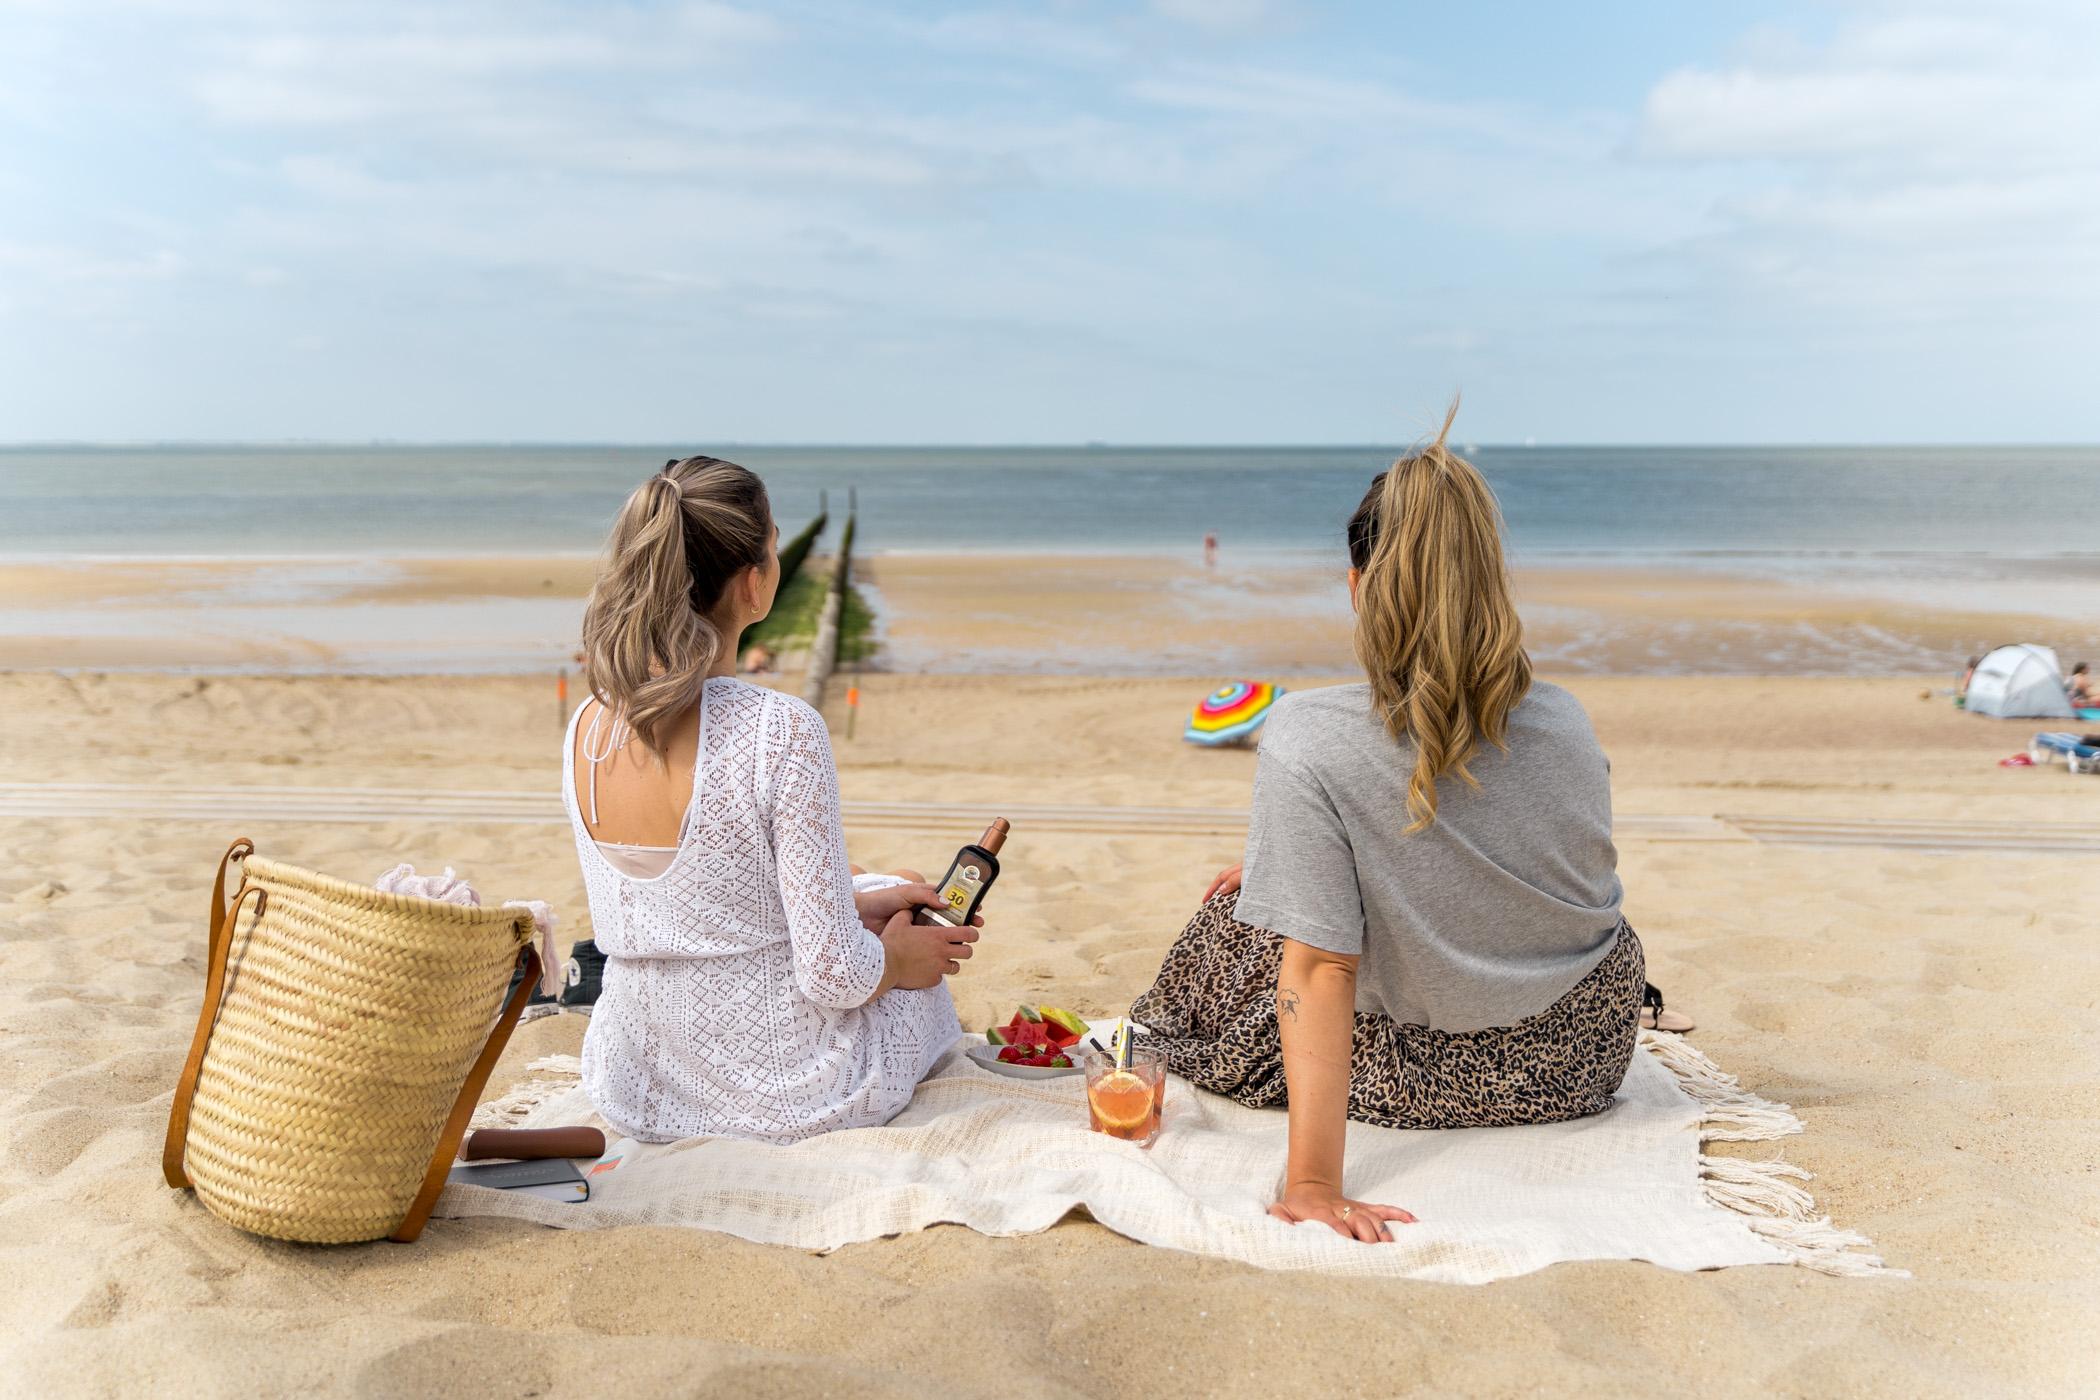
(1426,929)
(753,986)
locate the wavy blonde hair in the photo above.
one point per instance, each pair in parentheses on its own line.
(682,537)
(1436,628)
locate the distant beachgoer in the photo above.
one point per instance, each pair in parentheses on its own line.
(758,660)
(1968,674)
(753,988)
(2084,690)
(1426,931)
(1210,550)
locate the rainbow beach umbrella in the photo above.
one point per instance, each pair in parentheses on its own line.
(1231,713)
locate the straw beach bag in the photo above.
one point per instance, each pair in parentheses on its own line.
(345,1038)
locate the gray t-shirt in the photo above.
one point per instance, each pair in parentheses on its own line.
(1490,915)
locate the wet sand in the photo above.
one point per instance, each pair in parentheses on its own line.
(1008,614)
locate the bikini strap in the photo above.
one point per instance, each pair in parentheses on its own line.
(593,754)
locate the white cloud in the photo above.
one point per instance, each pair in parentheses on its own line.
(60,284)
(1159,183)
(1007,35)
(1359,111)
(1929,162)
(75,266)
(1221,15)
(402,64)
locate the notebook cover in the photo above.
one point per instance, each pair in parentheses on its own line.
(555,1178)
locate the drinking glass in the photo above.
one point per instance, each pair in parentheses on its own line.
(1126,1103)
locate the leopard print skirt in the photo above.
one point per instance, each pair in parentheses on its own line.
(1212,1016)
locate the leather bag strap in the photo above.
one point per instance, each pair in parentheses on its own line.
(469,1095)
(218,932)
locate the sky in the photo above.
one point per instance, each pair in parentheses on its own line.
(1205,221)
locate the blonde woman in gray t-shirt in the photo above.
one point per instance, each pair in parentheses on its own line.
(1426,929)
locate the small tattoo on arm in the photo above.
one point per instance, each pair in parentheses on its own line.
(1287,1002)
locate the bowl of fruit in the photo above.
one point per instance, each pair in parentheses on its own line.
(1040,1042)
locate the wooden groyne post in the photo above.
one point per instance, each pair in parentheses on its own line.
(824,650)
(792,553)
(797,549)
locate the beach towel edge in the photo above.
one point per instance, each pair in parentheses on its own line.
(1764,1193)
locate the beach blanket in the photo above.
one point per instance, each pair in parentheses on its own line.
(1013,1157)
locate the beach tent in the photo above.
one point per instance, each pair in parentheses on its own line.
(2020,682)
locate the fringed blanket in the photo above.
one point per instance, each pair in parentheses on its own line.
(1012,1157)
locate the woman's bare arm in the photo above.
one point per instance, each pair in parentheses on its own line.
(1316,1013)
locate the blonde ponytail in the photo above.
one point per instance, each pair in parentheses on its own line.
(683,535)
(1436,627)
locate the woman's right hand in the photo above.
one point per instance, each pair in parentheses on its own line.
(920,955)
(1357,1220)
(1228,882)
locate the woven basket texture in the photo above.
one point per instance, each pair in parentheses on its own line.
(349,1023)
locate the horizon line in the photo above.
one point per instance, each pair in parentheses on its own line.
(1087,445)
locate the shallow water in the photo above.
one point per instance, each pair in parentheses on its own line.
(1966,533)
(1801,508)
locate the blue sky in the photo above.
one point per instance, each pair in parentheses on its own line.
(1183,220)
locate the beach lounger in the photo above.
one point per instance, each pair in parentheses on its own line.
(2078,756)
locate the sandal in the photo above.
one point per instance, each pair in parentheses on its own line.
(1655,1018)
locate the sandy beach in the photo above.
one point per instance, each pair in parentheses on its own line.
(1031,614)
(1045,365)
(1933,1015)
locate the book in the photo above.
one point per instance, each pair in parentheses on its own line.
(555,1178)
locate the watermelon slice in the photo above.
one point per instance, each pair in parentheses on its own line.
(1021,1031)
(1037,1037)
(1064,1021)
(1048,1026)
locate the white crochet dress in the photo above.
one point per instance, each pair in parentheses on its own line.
(736,981)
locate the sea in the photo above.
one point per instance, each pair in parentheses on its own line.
(1763,505)
(1973,530)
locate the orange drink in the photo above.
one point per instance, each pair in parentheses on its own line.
(1126,1103)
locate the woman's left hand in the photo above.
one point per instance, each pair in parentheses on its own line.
(878,907)
(1356,1220)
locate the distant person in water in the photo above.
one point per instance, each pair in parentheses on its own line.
(2084,690)
(1210,550)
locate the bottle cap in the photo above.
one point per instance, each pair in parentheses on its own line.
(995,835)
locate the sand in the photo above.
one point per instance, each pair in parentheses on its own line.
(1152,615)
(1028,614)
(1935,1018)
